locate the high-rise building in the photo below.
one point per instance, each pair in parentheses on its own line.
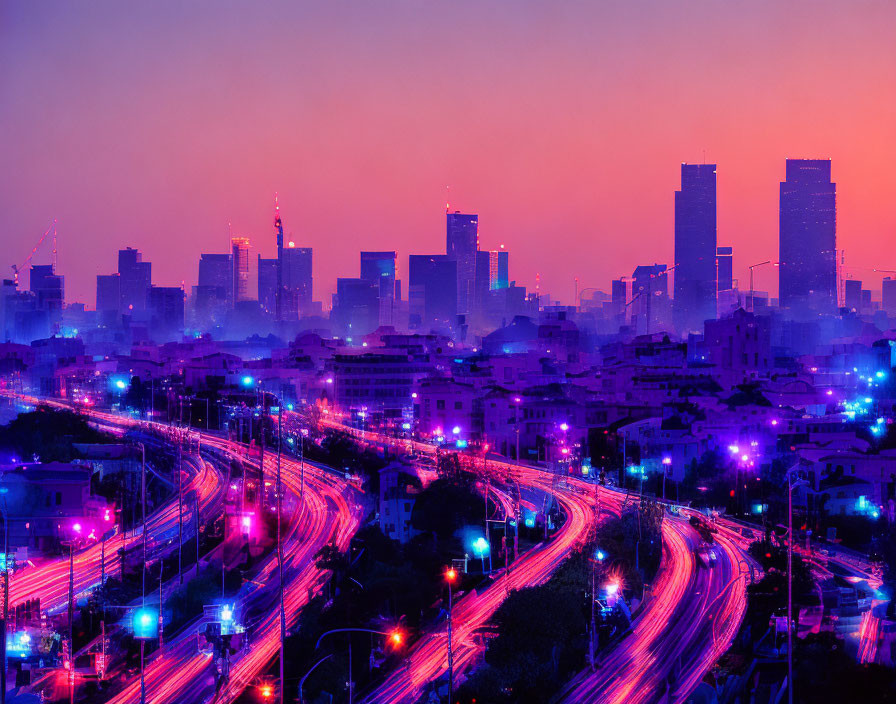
(724,268)
(267,284)
(695,247)
(356,307)
(888,302)
(240,257)
(486,267)
(461,247)
(432,291)
(108,295)
(852,295)
(136,278)
(216,273)
(650,297)
(502,269)
(49,293)
(166,305)
(618,295)
(379,268)
(808,238)
(297,281)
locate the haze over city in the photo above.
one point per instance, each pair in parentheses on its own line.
(159,125)
(447,353)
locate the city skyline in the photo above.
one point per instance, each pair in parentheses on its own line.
(173,162)
(382,353)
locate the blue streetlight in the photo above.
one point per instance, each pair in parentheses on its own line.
(481,548)
(146,623)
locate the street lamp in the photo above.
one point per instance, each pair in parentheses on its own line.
(791,485)
(667,464)
(450,577)
(394,636)
(481,547)
(756,266)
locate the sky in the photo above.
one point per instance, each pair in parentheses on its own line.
(563,124)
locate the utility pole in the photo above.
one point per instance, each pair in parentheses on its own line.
(180,509)
(591,639)
(261,463)
(196,515)
(161,581)
(280,551)
(5,627)
(71,622)
(789,590)
(488,538)
(143,506)
(278,227)
(450,644)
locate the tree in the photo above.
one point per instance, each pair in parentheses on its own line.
(444,506)
(48,434)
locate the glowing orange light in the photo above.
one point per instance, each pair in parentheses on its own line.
(395,637)
(451,575)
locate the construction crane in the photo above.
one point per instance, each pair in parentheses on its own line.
(17,268)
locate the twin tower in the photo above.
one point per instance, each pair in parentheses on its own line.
(807,242)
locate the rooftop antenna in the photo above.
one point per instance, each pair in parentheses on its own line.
(447,199)
(54,244)
(278,228)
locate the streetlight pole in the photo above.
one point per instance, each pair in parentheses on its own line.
(71,622)
(180,508)
(143,508)
(3,630)
(756,266)
(280,552)
(591,639)
(791,485)
(450,576)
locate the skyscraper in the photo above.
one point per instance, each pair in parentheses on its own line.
(618,296)
(888,295)
(166,305)
(502,271)
(808,238)
(216,273)
(297,281)
(724,268)
(379,268)
(240,254)
(49,292)
(461,245)
(650,297)
(356,309)
(852,295)
(108,296)
(695,247)
(136,278)
(432,291)
(486,267)
(267,284)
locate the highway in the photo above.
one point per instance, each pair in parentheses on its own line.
(329,512)
(688,619)
(49,580)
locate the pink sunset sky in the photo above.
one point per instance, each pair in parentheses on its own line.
(563,124)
